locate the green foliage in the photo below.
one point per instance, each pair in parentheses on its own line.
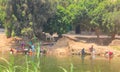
(29,66)
(10,66)
(59,16)
(63,20)
(27,32)
(111,21)
(64,69)
(105,16)
(8,29)
(38,50)
(3,4)
(28,17)
(96,14)
(71,68)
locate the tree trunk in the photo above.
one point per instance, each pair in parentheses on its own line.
(97,32)
(8,33)
(113,35)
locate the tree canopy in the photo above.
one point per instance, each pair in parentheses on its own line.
(3,5)
(32,17)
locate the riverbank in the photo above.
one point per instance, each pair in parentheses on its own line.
(63,46)
(5,43)
(67,46)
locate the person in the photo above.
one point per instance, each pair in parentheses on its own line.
(11,51)
(108,54)
(23,45)
(82,55)
(30,43)
(26,51)
(33,48)
(43,51)
(83,51)
(29,47)
(30,52)
(91,49)
(93,53)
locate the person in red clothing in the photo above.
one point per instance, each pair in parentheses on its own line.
(109,55)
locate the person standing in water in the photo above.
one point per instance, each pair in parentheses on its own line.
(83,51)
(82,55)
(93,54)
(91,49)
(109,55)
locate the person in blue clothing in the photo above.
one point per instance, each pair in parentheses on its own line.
(33,48)
(82,55)
(83,51)
(30,43)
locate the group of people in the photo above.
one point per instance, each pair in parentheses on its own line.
(23,48)
(92,52)
(91,49)
(31,48)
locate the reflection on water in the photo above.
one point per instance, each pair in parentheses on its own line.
(82,58)
(80,63)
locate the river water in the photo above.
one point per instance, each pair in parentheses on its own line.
(77,63)
(80,64)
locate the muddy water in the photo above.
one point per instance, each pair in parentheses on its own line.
(80,64)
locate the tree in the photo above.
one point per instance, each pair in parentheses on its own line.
(111,19)
(64,17)
(28,16)
(3,4)
(32,17)
(112,23)
(96,14)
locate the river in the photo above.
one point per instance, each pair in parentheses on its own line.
(77,63)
